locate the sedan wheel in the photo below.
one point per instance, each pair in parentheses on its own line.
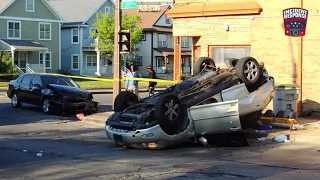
(172,110)
(46,106)
(15,101)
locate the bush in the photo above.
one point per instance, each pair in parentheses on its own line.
(185,76)
(64,72)
(5,62)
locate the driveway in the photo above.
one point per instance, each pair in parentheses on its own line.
(38,146)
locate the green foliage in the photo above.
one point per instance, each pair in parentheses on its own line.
(185,76)
(105,31)
(5,62)
(64,72)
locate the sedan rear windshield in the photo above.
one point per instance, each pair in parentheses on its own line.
(60,80)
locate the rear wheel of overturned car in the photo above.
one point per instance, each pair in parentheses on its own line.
(15,102)
(203,64)
(248,70)
(125,99)
(47,106)
(170,113)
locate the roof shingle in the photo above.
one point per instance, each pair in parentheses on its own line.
(76,10)
(4,3)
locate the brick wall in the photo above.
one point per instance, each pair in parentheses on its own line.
(268,43)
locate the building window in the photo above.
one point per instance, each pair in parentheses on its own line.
(75,36)
(75,62)
(162,40)
(168,20)
(92,30)
(91,61)
(30,5)
(185,42)
(44,31)
(107,10)
(138,61)
(186,61)
(144,37)
(14,30)
(220,54)
(46,56)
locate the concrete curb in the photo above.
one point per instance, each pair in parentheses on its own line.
(98,118)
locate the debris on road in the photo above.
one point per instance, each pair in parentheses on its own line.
(264,138)
(282,138)
(39,154)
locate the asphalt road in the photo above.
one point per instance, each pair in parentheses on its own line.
(38,146)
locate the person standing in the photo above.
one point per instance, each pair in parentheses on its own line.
(133,85)
(152,75)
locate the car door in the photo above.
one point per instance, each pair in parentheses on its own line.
(35,90)
(25,88)
(213,118)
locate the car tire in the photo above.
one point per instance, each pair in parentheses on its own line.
(47,106)
(124,99)
(169,111)
(15,102)
(268,113)
(248,70)
(200,65)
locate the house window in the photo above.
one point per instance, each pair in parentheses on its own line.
(138,61)
(144,37)
(75,62)
(91,61)
(107,10)
(92,30)
(220,54)
(46,57)
(168,21)
(162,40)
(29,5)
(75,36)
(44,31)
(185,42)
(186,61)
(14,30)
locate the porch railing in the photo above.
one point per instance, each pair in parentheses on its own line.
(32,68)
(89,43)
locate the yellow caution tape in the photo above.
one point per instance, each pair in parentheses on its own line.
(111,80)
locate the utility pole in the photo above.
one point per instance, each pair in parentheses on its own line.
(116,56)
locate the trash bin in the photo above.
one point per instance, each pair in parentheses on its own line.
(285,101)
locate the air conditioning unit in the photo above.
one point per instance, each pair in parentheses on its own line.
(168,21)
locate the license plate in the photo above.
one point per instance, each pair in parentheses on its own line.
(117,137)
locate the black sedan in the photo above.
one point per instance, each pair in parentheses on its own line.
(53,93)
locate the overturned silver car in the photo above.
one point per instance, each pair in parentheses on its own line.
(215,100)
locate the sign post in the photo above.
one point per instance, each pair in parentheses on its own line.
(116,55)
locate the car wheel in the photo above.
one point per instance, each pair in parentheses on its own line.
(46,106)
(170,113)
(248,70)
(268,113)
(15,102)
(203,64)
(125,99)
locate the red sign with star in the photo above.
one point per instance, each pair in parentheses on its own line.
(295,21)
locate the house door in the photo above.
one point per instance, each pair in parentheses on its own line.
(160,65)
(23,60)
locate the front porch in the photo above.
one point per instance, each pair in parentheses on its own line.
(163,62)
(96,64)
(27,55)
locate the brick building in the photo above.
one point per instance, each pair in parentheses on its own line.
(235,28)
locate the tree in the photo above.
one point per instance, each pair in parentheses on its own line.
(5,62)
(105,31)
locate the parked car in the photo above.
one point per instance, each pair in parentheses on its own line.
(53,93)
(215,100)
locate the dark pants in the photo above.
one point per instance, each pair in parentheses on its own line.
(151,91)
